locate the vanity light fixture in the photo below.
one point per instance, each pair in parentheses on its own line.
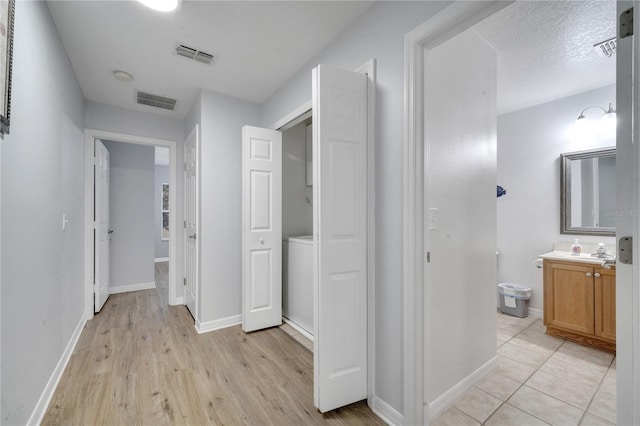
(161,5)
(607,121)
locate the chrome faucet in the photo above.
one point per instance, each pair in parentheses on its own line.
(608,263)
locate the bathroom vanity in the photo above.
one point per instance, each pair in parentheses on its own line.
(580,299)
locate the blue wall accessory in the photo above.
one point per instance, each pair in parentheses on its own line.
(501,191)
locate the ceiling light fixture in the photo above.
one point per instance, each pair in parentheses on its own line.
(161,5)
(122,76)
(607,121)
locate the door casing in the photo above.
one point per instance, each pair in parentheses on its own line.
(175,232)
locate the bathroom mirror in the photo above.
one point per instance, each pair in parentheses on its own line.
(588,192)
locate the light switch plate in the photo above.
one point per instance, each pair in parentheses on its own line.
(433,219)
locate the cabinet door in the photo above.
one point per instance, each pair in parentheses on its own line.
(605,303)
(569,298)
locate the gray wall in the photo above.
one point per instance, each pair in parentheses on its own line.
(161,247)
(530,142)
(131,213)
(297,214)
(222,118)
(42,179)
(378,34)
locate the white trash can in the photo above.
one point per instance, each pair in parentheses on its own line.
(514,299)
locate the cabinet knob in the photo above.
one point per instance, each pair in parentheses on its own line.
(597,274)
(589,274)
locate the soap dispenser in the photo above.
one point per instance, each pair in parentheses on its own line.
(576,248)
(601,250)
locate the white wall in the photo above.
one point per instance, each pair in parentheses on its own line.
(222,118)
(530,142)
(297,207)
(161,247)
(460,130)
(378,33)
(110,118)
(42,178)
(131,212)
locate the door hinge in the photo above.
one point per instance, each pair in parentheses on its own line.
(626,23)
(428,257)
(184,224)
(184,281)
(625,250)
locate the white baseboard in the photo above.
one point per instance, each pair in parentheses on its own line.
(386,412)
(535,313)
(179,301)
(161,259)
(43,403)
(299,329)
(132,287)
(204,327)
(448,398)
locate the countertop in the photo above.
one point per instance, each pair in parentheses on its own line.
(568,257)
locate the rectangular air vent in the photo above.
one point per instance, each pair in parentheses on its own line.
(606,48)
(195,54)
(156,101)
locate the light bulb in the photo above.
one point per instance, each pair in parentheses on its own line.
(161,5)
(582,126)
(608,122)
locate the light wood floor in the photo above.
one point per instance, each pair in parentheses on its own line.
(140,361)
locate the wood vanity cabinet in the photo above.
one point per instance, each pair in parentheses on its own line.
(580,303)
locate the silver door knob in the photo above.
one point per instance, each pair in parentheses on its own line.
(597,274)
(589,274)
(193,237)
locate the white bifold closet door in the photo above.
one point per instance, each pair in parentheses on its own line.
(261,228)
(340,230)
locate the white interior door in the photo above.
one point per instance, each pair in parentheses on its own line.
(627,221)
(102,233)
(340,231)
(261,228)
(191,220)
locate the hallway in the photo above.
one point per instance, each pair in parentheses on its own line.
(141,362)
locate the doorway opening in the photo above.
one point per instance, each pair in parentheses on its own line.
(423,215)
(128,149)
(297,228)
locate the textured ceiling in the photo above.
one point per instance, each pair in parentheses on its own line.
(545,49)
(259,46)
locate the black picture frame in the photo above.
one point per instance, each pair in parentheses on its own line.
(7,15)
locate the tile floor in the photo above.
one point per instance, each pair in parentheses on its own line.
(541,380)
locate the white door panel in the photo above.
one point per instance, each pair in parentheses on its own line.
(627,276)
(102,232)
(192,220)
(340,228)
(262,228)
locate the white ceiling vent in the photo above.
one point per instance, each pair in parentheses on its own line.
(195,54)
(156,101)
(606,48)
